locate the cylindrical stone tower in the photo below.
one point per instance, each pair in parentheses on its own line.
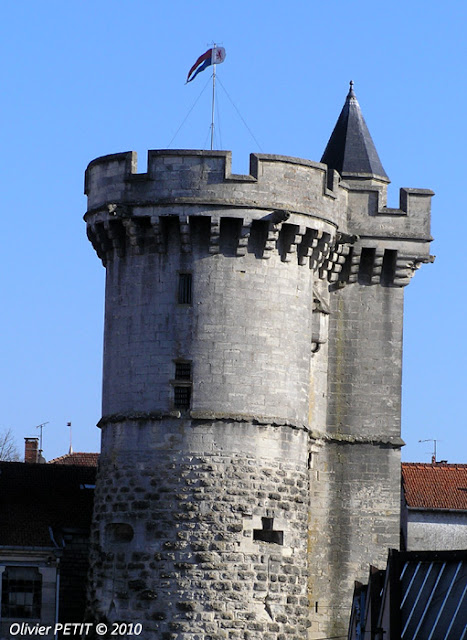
(201,507)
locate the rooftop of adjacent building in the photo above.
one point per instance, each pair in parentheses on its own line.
(32,454)
(77,458)
(436,485)
(39,501)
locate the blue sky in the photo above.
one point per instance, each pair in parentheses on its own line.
(85,78)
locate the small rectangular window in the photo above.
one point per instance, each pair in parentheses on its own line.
(21,592)
(182,384)
(183,371)
(185,288)
(182,397)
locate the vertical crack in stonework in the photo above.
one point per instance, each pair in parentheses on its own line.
(267,607)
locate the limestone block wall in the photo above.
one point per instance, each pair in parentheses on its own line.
(353,521)
(356,481)
(355,477)
(205,177)
(365,363)
(246,333)
(372,218)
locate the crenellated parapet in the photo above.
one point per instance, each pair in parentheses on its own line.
(369,215)
(393,243)
(205,178)
(284,205)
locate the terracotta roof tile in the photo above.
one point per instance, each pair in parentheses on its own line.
(435,486)
(78,459)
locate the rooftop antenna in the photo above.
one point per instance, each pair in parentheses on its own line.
(433,457)
(41,426)
(70,451)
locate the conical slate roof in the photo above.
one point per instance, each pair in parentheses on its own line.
(350,149)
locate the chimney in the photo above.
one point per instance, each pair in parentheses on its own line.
(31,449)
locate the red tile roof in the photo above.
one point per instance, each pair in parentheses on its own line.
(435,486)
(78,459)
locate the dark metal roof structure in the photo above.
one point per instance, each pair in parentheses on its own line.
(36,499)
(424,598)
(47,509)
(433,596)
(351,150)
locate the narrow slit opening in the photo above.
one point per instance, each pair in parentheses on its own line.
(388,270)
(367,261)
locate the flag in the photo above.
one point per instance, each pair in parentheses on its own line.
(216,55)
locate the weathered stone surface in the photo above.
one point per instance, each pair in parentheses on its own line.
(251,400)
(235,490)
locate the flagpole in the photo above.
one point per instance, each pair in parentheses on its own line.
(213,100)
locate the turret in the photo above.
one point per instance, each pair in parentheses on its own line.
(351,150)
(355,482)
(200,522)
(251,386)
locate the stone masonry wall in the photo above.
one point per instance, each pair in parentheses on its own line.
(359,466)
(200,524)
(247,332)
(354,520)
(194,177)
(279,483)
(191,568)
(365,362)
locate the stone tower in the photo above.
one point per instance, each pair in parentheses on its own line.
(250,461)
